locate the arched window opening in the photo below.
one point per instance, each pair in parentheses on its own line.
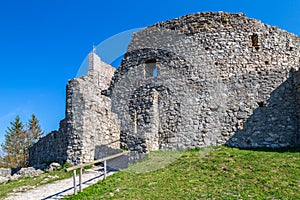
(150,69)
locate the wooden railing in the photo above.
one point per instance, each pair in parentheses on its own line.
(80,167)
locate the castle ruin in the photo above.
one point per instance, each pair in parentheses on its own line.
(199,80)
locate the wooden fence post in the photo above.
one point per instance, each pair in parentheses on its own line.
(80,180)
(74,180)
(91,163)
(105,169)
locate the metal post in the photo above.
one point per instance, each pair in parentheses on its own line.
(80,180)
(74,180)
(105,169)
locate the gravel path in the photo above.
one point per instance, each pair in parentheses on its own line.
(59,189)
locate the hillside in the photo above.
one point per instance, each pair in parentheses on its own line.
(209,173)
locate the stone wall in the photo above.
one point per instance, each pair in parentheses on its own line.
(199,80)
(202,79)
(296,81)
(51,148)
(89,122)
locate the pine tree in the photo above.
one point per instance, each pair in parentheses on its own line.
(15,145)
(34,130)
(18,141)
(1,162)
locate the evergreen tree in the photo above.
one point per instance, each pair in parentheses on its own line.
(1,162)
(18,141)
(15,145)
(34,130)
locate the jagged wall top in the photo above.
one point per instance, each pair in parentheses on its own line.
(100,71)
(94,61)
(215,31)
(210,21)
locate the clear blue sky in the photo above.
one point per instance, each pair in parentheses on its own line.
(44,42)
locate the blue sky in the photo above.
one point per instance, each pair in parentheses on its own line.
(43,43)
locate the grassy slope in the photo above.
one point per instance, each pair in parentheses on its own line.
(210,173)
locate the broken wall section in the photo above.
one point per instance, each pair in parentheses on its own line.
(51,148)
(89,122)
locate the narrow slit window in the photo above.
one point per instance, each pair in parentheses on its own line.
(150,68)
(254,40)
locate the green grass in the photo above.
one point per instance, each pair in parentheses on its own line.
(208,173)
(156,160)
(22,183)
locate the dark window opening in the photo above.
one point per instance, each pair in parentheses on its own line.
(260,104)
(150,61)
(150,69)
(254,40)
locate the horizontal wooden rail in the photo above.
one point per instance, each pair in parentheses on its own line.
(74,168)
(97,161)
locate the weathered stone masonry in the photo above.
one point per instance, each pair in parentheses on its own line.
(89,124)
(226,79)
(199,80)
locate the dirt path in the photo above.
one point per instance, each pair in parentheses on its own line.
(59,189)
